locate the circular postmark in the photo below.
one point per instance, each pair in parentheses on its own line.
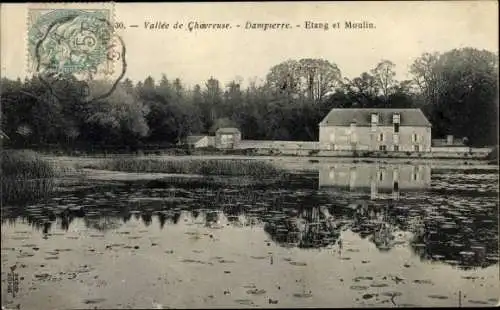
(69,48)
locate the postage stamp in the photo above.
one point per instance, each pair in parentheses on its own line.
(73,42)
(69,40)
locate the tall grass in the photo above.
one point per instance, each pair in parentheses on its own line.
(232,167)
(25,176)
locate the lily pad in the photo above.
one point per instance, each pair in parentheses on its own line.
(437,296)
(256,291)
(302,295)
(359,287)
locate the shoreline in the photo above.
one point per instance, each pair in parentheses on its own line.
(295,162)
(474,154)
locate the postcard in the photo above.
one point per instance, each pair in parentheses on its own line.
(249,154)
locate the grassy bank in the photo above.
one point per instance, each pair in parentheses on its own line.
(234,167)
(25,176)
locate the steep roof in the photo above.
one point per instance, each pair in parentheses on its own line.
(362,117)
(228,130)
(193,139)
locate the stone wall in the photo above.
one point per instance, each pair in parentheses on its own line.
(280,145)
(450,149)
(312,148)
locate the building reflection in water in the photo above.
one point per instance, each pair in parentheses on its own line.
(380,181)
(459,229)
(369,182)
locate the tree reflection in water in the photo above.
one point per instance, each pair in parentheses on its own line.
(102,223)
(310,227)
(457,230)
(372,221)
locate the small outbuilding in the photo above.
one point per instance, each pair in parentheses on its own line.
(199,141)
(227,138)
(196,141)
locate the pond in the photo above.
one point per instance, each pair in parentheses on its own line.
(342,235)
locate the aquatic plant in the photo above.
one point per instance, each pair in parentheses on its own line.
(25,176)
(229,167)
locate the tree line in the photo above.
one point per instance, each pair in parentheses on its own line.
(457,90)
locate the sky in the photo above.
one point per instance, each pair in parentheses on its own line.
(403,31)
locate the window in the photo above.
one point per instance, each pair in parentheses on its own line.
(226,138)
(381,137)
(382,148)
(414,137)
(374,121)
(396,118)
(381,175)
(416,148)
(396,127)
(415,173)
(395,187)
(396,148)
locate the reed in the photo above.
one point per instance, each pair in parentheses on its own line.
(25,176)
(227,167)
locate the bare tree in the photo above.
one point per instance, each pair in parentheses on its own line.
(384,76)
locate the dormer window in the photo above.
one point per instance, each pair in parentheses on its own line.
(374,121)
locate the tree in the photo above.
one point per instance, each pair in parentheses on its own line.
(128,85)
(121,117)
(384,77)
(233,100)
(284,78)
(461,88)
(362,90)
(149,83)
(212,99)
(427,75)
(311,78)
(222,123)
(457,90)
(319,77)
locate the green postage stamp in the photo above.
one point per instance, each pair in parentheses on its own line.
(70,38)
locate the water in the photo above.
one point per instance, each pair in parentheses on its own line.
(345,235)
